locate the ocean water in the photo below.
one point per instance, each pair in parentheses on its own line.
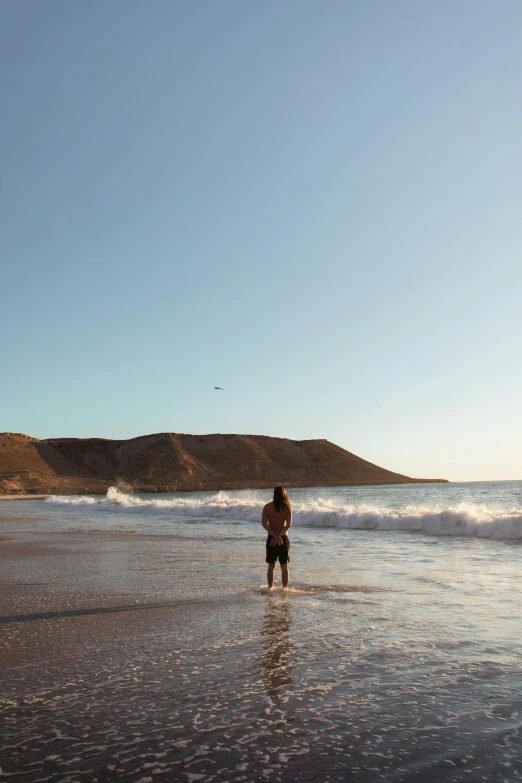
(395,654)
(475,510)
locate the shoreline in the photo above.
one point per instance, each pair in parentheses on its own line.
(24,497)
(155,491)
(128,654)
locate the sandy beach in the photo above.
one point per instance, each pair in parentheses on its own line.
(23,497)
(133,653)
(76,654)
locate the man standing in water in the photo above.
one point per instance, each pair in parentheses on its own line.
(277,519)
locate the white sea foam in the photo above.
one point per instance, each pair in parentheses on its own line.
(464,519)
(74,500)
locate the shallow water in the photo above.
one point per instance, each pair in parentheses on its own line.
(394,656)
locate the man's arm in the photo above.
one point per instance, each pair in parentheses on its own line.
(288,522)
(266,524)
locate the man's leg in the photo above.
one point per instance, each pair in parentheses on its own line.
(270,574)
(285,575)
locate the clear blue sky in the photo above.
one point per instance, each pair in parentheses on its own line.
(317,205)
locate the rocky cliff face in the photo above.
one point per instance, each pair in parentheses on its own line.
(168,461)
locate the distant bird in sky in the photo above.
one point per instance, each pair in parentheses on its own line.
(219,388)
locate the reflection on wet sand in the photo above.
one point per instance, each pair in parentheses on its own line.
(276,667)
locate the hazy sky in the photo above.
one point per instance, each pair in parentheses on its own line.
(317,205)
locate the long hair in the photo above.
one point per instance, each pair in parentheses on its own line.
(281,499)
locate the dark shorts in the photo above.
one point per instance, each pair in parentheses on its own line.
(282,551)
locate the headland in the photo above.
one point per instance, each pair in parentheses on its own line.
(170,462)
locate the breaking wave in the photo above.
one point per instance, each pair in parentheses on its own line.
(465,519)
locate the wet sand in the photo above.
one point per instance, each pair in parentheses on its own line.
(24,497)
(98,679)
(160,658)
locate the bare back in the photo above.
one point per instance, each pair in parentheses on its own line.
(276,519)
